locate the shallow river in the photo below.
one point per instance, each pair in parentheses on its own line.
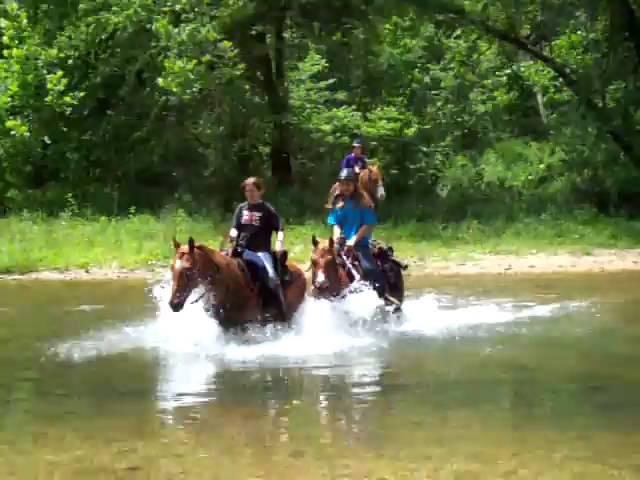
(481,377)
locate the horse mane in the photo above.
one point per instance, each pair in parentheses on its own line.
(239,281)
(213,254)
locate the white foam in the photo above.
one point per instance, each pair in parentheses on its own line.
(328,338)
(431,315)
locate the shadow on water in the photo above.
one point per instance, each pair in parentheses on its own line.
(485,376)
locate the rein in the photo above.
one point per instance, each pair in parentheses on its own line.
(199,298)
(350,267)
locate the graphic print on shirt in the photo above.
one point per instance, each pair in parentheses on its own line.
(251,217)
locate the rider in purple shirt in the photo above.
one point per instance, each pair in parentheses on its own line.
(355,159)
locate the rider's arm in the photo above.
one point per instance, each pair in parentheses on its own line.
(235,224)
(279,228)
(333,220)
(337,232)
(364,231)
(360,164)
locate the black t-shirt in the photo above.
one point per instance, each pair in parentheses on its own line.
(255,224)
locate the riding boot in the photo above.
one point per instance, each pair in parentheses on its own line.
(282,268)
(280,303)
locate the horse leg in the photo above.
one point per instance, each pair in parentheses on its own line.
(271,291)
(295,291)
(395,285)
(371,272)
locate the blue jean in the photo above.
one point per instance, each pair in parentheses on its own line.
(370,269)
(264,261)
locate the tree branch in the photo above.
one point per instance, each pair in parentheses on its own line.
(564,73)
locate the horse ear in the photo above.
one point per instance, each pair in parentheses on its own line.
(192,244)
(314,241)
(176,243)
(331,243)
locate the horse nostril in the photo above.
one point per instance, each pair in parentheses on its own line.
(175,306)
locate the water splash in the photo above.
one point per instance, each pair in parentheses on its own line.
(433,315)
(346,338)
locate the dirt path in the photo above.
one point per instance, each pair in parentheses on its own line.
(598,261)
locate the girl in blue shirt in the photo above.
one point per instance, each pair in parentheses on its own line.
(353,219)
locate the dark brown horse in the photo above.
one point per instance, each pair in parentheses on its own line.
(236,297)
(333,271)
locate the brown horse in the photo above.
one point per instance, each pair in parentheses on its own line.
(371,181)
(329,276)
(332,272)
(236,298)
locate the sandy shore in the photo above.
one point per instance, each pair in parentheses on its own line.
(598,261)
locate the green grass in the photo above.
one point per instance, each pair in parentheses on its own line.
(31,242)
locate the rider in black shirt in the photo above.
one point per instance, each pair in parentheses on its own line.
(254,222)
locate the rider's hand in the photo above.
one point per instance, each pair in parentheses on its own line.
(351,242)
(279,246)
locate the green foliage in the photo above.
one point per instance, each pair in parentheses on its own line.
(472,108)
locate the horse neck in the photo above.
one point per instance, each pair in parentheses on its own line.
(366,183)
(213,263)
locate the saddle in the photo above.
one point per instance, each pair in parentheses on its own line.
(258,274)
(384,254)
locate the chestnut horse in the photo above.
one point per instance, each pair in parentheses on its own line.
(371,181)
(234,295)
(333,271)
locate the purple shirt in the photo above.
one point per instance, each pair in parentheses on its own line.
(351,161)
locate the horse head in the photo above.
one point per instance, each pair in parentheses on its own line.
(185,272)
(372,182)
(326,276)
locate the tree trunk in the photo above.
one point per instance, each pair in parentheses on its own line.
(266,69)
(629,23)
(281,168)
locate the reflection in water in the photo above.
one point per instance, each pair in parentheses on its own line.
(457,387)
